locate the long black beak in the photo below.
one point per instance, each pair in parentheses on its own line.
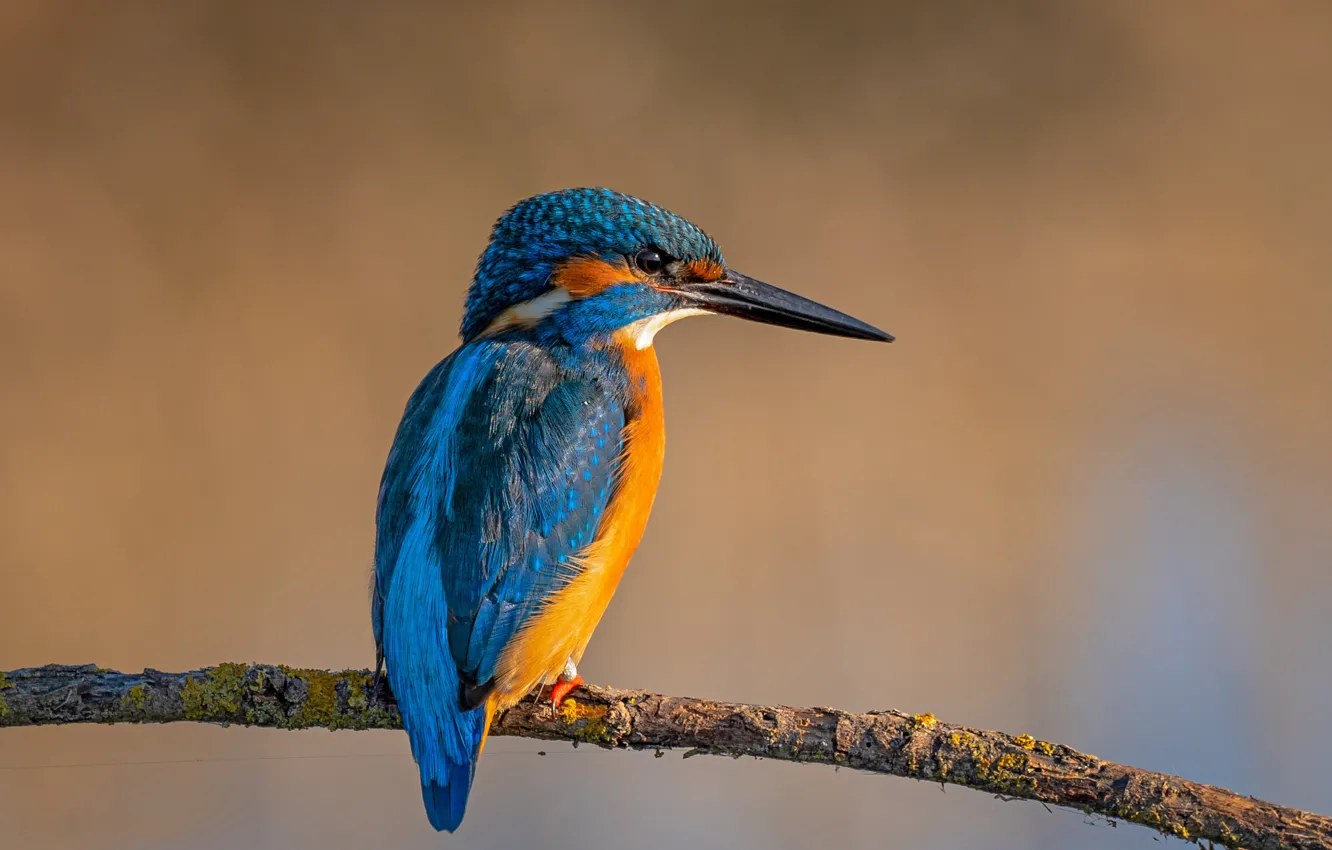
(738,295)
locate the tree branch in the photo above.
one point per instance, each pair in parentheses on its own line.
(913,746)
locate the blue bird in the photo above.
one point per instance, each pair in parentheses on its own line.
(526,462)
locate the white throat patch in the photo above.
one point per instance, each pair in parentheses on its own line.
(643,331)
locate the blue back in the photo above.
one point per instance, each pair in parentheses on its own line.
(502,466)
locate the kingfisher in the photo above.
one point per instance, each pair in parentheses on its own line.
(522,473)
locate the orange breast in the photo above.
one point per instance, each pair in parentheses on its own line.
(562,629)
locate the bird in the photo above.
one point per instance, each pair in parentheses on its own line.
(526,462)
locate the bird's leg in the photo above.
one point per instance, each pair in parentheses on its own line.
(379,668)
(567,681)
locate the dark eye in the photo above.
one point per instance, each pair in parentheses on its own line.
(649,261)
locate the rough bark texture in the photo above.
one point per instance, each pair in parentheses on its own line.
(914,746)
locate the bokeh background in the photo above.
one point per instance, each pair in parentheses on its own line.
(1085,495)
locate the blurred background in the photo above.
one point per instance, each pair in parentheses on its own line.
(1084,496)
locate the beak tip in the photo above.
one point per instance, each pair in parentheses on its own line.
(870,333)
(743,296)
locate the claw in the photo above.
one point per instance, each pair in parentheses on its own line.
(563,688)
(567,681)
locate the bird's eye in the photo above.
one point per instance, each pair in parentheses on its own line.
(649,261)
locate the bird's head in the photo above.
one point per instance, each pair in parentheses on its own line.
(588,264)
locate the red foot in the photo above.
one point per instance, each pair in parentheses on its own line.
(562,689)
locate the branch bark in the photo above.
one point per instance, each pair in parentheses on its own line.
(912,746)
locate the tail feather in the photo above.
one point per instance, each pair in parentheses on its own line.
(446,803)
(446,743)
(445,738)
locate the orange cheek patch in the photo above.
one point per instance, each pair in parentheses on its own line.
(706,270)
(586,276)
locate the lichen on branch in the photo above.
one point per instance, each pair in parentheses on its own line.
(917,746)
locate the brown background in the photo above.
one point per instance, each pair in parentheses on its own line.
(1085,495)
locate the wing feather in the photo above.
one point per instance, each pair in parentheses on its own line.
(517,459)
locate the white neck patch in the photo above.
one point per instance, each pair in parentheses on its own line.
(530,312)
(644,331)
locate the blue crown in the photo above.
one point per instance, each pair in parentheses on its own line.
(540,232)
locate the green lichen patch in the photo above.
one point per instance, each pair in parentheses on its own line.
(356,710)
(981,764)
(5,685)
(135,699)
(217,696)
(357,685)
(301,698)
(320,706)
(1008,774)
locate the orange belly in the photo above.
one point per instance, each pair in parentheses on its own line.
(563,627)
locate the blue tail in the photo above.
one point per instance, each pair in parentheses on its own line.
(445,739)
(446,803)
(447,763)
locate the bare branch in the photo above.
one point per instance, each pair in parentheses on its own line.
(913,746)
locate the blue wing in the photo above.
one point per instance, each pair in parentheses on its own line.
(501,469)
